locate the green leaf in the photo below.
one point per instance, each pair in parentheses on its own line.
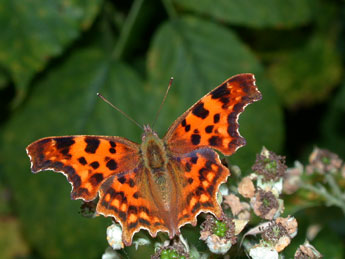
(65,103)
(254,13)
(34,31)
(12,244)
(307,74)
(200,55)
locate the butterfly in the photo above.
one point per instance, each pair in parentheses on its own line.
(160,184)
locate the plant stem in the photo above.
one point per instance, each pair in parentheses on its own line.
(126,29)
(323,192)
(334,186)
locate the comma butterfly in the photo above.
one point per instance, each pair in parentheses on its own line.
(160,184)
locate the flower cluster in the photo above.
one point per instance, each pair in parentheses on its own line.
(252,197)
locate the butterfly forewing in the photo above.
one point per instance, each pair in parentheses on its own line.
(212,121)
(86,160)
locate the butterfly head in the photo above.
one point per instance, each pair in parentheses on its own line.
(153,150)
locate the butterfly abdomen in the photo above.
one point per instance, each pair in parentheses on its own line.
(162,190)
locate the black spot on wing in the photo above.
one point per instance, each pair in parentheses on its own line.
(216,118)
(111,164)
(187,128)
(200,111)
(214,141)
(91,144)
(94,165)
(131,182)
(194,159)
(82,160)
(224,100)
(121,179)
(144,222)
(133,225)
(210,189)
(196,207)
(220,91)
(136,195)
(96,179)
(64,142)
(209,129)
(132,210)
(195,138)
(65,152)
(188,167)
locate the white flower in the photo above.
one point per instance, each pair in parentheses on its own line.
(276,187)
(114,236)
(218,245)
(141,242)
(110,254)
(260,252)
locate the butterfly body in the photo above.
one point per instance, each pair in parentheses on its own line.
(160,184)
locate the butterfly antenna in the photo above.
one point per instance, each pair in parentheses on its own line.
(165,96)
(119,110)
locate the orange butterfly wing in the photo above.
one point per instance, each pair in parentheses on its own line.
(202,173)
(128,198)
(212,121)
(87,161)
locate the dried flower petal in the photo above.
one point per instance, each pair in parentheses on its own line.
(239,225)
(273,232)
(244,214)
(322,161)
(234,203)
(290,224)
(269,165)
(307,251)
(265,204)
(292,179)
(246,187)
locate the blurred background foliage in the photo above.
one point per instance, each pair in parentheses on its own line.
(56,55)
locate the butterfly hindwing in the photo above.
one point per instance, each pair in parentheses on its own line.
(128,198)
(85,160)
(212,121)
(202,174)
